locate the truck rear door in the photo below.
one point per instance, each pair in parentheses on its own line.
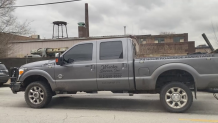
(112,67)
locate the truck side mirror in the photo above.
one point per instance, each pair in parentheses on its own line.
(58,59)
(70,60)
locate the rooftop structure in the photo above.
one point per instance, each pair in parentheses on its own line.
(60,24)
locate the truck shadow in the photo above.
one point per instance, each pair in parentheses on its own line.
(116,104)
(128,104)
(5,85)
(142,103)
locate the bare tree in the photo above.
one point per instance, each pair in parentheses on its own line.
(167,33)
(9,27)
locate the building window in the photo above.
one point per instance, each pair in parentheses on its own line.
(178,39)
(111,50)
(159,40)
(142,41)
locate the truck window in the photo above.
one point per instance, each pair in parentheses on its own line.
(111,50)
(81,52)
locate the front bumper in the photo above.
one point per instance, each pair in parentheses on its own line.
(15,86)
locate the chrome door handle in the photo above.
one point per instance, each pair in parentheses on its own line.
(124,65)
(92,67)
(87,65)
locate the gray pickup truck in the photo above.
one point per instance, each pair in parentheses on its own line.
(109,65)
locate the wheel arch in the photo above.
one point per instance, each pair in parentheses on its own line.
(37,75)
(176,66)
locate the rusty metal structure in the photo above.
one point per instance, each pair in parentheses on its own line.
(48,52)
(207,41)
(87,19)
(60,24)
(83,28)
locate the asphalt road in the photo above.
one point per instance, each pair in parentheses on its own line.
(104,107)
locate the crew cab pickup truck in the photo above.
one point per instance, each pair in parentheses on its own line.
(110,65)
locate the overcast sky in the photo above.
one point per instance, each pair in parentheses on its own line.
(107,17)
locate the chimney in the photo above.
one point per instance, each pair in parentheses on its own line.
(87,19)
(81,30)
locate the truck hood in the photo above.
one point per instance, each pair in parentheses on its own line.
(38,64)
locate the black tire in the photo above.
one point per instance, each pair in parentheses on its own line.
(176,99)
(1,84)
(47,96)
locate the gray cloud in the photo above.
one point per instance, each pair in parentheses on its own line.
(146,4)
(140,16)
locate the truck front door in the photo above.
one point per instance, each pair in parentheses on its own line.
(79,71)
(112,67)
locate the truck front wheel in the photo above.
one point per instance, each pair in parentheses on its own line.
(176,97)
(38,94)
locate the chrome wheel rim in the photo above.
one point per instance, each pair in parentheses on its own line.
(36,95)
(176,97)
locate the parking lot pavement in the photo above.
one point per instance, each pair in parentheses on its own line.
(104,107)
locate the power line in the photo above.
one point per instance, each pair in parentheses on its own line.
(43,4)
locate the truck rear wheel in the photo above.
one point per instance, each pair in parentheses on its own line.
(176,97)
(38,94)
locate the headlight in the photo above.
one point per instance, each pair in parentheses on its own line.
(1,73)
(21,71)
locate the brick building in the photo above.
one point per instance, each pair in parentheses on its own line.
(148,45)
(203,49)
(164,45)
(166,38)
(13,37)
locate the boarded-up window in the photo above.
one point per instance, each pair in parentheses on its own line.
(178,39)
(159,40)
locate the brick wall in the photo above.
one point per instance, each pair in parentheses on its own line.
(168,38)
(166,49)
(203,50)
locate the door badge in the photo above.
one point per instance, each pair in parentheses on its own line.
(60,76)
